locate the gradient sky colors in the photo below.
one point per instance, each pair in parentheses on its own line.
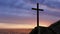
(18,13)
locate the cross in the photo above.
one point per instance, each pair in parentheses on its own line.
(37,13)
(38,16)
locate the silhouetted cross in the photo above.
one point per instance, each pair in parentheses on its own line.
(37,13)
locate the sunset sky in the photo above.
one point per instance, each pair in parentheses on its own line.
(18,13)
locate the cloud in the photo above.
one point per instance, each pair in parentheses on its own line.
(51,13)
(49,3)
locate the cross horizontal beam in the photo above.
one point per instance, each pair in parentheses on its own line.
(37,9)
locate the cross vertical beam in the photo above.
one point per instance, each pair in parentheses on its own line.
(37,14)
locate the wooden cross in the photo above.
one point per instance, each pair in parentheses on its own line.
(37,13)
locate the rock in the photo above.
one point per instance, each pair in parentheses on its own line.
(55,27)
(43,30)
(52,29)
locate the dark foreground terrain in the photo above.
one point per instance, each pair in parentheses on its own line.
(52,29)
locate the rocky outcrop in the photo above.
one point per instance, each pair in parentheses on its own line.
(52,29)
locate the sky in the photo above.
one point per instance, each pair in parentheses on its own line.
(18,13)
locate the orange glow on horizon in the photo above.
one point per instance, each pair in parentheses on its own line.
(17,26)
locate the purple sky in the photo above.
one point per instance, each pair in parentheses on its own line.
(19,13)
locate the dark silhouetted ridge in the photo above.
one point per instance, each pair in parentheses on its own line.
(52,29)
(56,27)
(43,30)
